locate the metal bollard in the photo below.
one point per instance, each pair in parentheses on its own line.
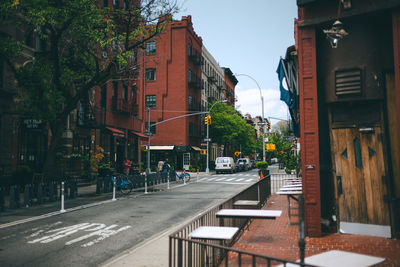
(114,183)
(28,195)
(62,197)
(167,180)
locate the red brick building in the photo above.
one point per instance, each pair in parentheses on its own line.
(171,85)
(349,88)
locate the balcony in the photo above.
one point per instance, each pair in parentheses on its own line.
(121,106)
(90,117)
(211,78)
(195,57)
(194,82)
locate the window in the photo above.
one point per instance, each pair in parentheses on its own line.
(150,48)
(150,101)
(116,4)
(125,93)
(150,74)
(105,3)
(103,101)
(189,50)
(190,101)
(190,76)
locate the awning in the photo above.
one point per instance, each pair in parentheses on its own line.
(161,147)
(139,134)
(116,132)
(196,148)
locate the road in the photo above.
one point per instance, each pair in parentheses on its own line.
(91,236)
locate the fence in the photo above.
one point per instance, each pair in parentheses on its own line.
(15,196)
(187,252)
(184,251)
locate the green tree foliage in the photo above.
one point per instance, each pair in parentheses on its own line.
(69,65)
(229,127)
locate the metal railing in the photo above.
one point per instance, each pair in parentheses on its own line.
(279,180)
(186,252)
(209,254)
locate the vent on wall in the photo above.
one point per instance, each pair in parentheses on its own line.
(348,82)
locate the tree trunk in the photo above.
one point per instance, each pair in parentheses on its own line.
(50,168)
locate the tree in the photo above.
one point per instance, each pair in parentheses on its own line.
(229,127)
(68,66)
(282,127)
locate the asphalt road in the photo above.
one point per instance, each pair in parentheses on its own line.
(91,236)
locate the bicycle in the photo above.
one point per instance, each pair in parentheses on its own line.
(183,175)
(122,183)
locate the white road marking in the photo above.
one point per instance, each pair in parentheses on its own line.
(96,229)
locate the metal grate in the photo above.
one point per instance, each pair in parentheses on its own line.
(348,82)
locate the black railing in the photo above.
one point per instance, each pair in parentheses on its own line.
(186,252)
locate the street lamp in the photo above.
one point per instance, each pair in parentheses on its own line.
(262,114)
(208,138)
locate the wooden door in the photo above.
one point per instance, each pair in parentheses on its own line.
(360,176)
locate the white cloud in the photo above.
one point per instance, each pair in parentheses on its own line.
(249,101)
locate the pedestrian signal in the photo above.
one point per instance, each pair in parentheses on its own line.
(203,152)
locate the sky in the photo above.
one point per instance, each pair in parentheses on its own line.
(249,37)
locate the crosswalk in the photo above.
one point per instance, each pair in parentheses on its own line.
(236,178)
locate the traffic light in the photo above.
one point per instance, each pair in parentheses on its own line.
(208,120)
(268,124)
(203,152)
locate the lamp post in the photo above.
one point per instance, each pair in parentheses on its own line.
(262,114)
(208,131)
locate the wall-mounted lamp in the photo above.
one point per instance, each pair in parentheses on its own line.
(336,33)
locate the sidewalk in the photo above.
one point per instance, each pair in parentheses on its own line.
(278,239)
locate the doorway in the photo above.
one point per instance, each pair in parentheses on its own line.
(360,181)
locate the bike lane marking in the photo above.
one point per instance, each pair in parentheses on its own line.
(99,230)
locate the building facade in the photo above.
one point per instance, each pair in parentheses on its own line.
(349,87)
(171,86)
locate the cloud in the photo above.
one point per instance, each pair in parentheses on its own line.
(249,101)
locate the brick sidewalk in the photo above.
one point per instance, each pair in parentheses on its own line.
(276,238)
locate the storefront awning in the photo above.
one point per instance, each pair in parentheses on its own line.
(139,134)
(196,148)
(161,147)
(116,132)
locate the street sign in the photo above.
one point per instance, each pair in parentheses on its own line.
(207,139)
(237,153)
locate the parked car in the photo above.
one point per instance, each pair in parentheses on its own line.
(225,164)
(274,160)
(243,164)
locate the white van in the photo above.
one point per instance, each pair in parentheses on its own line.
(225,164)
